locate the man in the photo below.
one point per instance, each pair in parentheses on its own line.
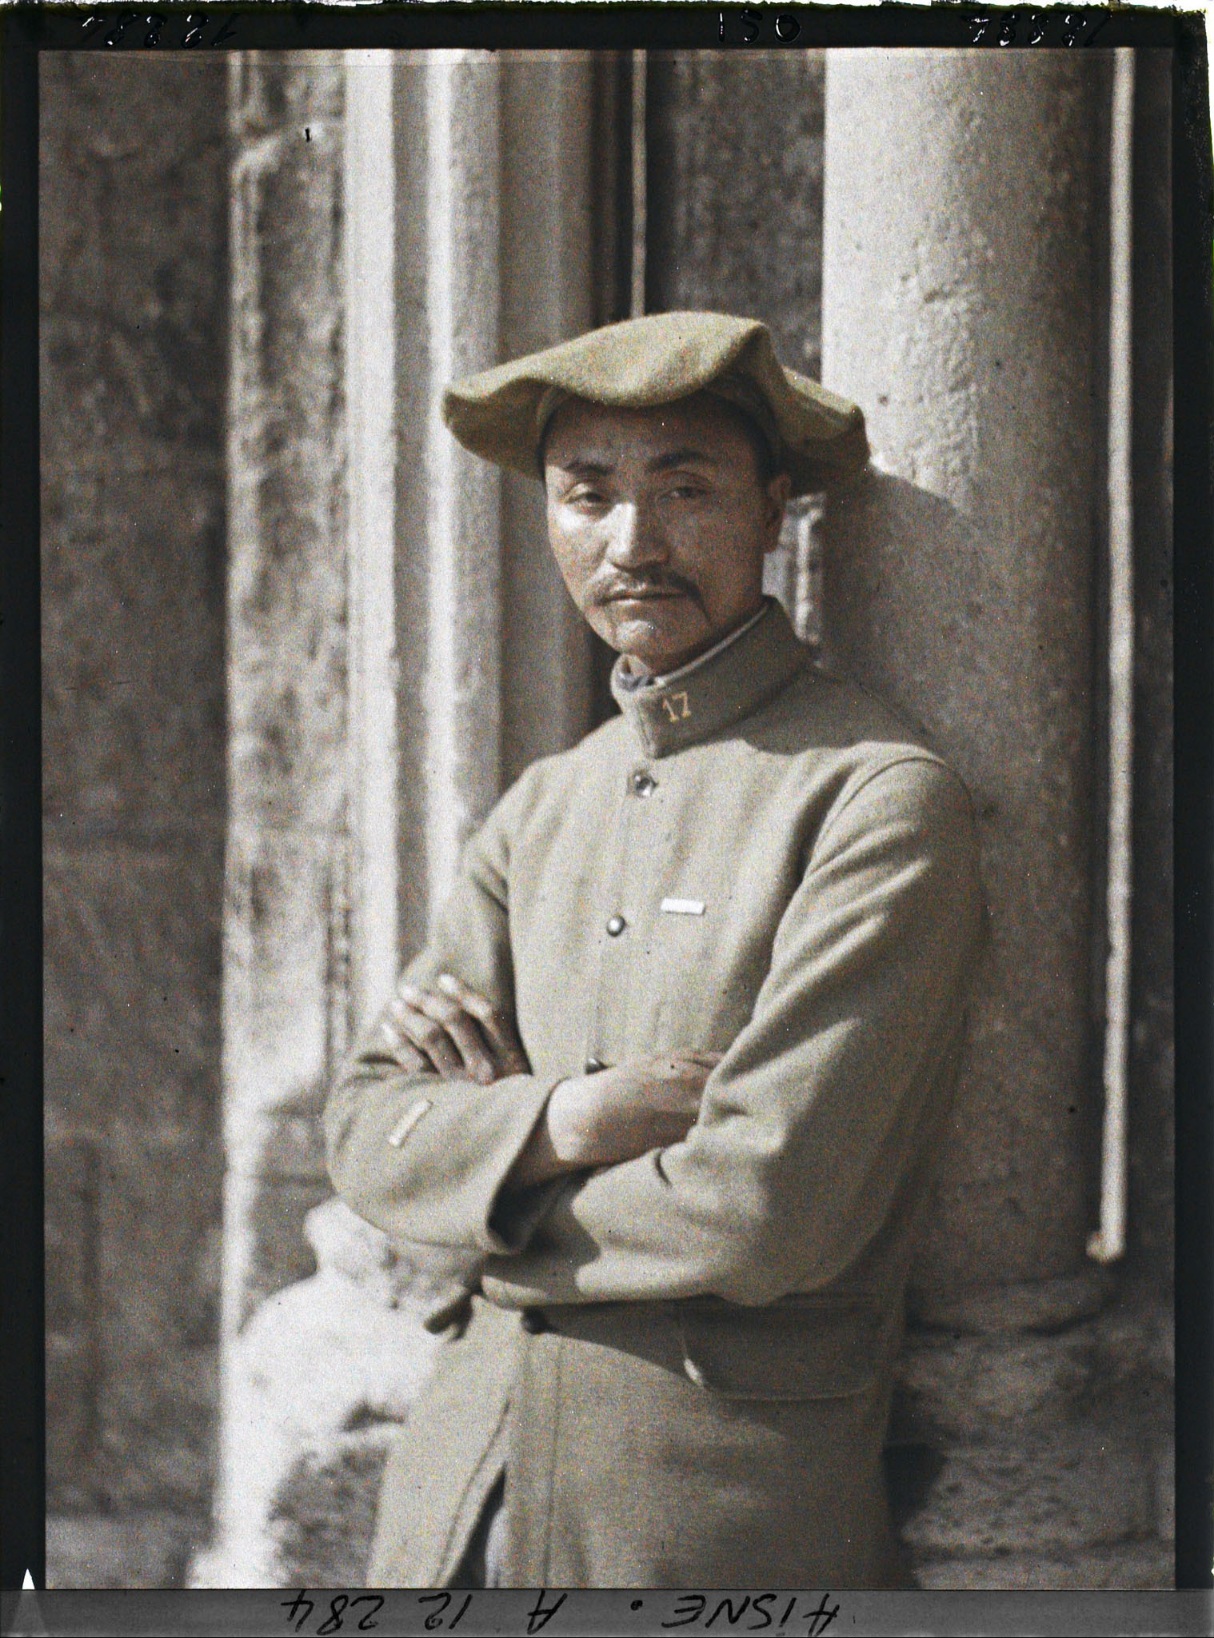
(672,1069)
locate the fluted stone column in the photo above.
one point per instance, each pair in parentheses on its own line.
(964,251)
(376,582)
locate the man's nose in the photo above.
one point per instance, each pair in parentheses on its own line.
(636,539)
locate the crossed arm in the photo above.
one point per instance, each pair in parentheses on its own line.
(761,1174)
(589,1120)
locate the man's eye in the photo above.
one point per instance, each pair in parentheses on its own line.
(686,491)
(587,497)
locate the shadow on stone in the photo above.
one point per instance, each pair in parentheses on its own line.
(910,1472)
(324,1513)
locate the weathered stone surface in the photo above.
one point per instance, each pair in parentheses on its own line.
(985,1389)
(159,1209)
(132,636)
(286,496)
(367,1356)
(133,232)
(1081,1488)
(294,1144)
(1131,1565)
(1009,1441)
(275,91)
(960,575)
(72,1344)
(324,1515)
(1165,1492)
(279,1254)
(735,190)
(978,1388)
(1152,1065)
(1035,1305)
(72,1379)
(131,954)
(285,1011)
(132,226)
(140,1550)
(71,1234)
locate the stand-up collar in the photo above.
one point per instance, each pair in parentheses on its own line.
(720,688)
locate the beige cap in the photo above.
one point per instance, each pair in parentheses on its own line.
(501,413)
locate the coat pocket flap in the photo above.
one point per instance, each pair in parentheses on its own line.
(786,1352)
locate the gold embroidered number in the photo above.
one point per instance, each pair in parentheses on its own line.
(669,704)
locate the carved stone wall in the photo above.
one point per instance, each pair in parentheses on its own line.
(133,296)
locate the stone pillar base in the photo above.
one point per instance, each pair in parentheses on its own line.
(1031,1440)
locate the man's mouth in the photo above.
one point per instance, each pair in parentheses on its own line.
(665,592)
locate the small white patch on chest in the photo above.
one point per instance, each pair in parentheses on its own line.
(683,907)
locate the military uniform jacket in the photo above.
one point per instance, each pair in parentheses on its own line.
(756,859)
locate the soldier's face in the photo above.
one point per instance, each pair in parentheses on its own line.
(660,520)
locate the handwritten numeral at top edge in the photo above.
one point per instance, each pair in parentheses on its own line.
(114,37)
(1074,24)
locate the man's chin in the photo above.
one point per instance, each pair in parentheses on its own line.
(654,631)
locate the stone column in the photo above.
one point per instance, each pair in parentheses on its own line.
(960,245)
(965,245)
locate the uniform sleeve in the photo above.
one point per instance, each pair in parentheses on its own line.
(814,1115)
(420,1157)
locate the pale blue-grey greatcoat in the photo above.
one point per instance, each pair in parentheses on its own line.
(699,1393)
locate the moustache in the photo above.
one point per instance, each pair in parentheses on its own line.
(616,589)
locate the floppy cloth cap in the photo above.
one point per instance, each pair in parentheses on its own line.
(501,413)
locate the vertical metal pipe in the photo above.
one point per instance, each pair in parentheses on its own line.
(1108,1243)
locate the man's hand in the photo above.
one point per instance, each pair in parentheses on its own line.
(616,1115)
(453,1031)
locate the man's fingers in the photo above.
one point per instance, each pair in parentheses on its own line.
(447,1018)
(497,1028)
(429,1038)
(458,1031)
(410,1057)
(400,1046)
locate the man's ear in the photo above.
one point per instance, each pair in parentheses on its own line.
(777,493)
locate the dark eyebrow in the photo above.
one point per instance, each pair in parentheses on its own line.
(660,463)
(680,457)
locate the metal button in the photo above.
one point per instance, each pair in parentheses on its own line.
(535,1321)
(616,926)
(592,1066)
(643,784)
